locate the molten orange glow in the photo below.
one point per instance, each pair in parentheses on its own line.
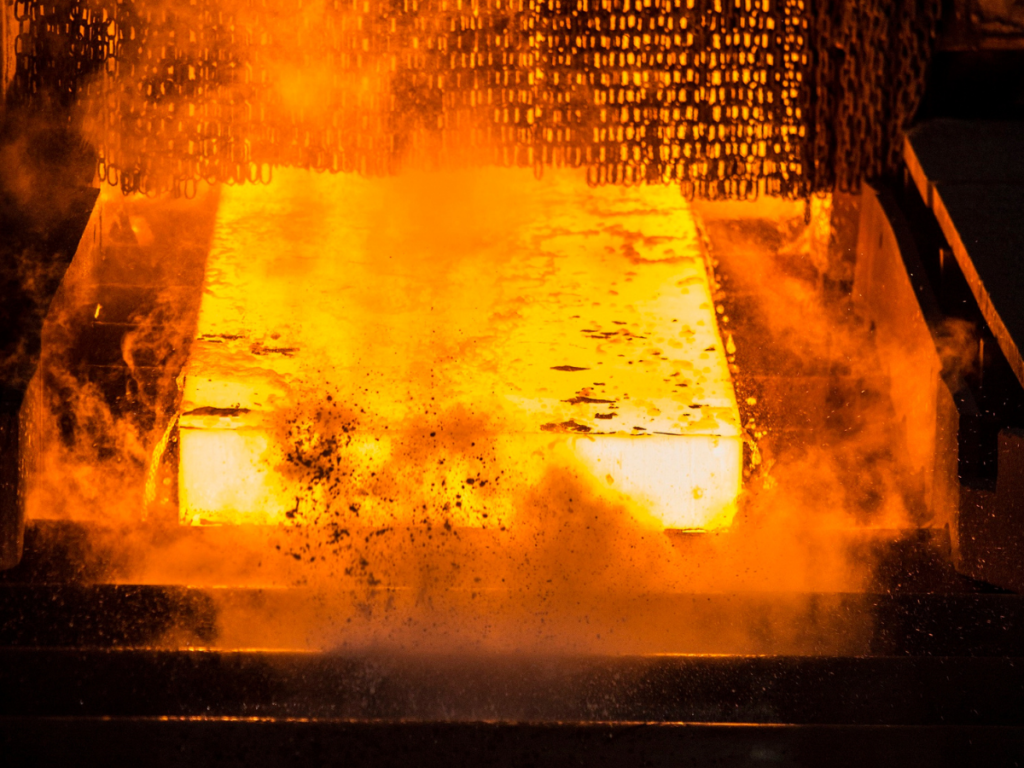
(394,364)
(349,326)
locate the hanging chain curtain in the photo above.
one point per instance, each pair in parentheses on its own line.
(726,98)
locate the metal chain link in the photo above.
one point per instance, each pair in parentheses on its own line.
(727,98)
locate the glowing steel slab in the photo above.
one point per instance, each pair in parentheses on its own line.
(553,324)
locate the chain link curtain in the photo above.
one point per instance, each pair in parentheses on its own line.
(726,98)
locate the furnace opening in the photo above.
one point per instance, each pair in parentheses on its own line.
(428,312)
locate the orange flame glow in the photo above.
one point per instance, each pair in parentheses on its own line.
(574,327)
